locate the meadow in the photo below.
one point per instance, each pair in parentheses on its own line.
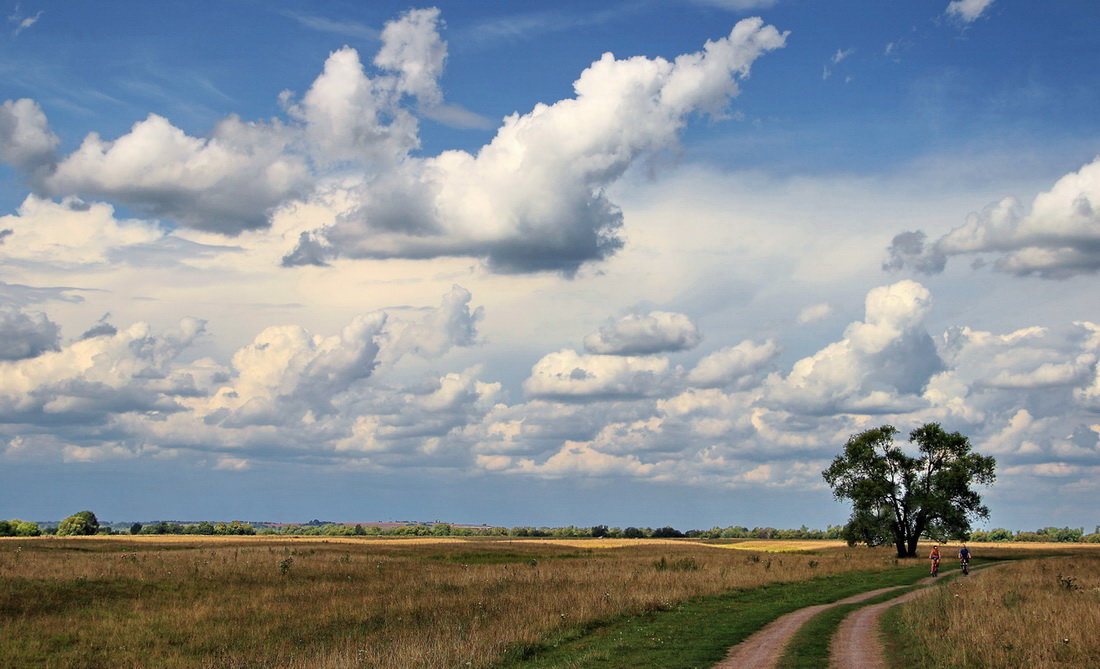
(1031,613)
(429,602)
(122,601)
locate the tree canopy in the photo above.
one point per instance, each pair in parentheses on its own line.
(898,498)
(18,528)
(80,523)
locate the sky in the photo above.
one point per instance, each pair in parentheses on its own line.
(534,263)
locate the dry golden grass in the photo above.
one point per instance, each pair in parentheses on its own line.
(226,601)
(1035,613)
(783,545)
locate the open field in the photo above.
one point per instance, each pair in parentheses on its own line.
(405,602)
(270,601)
(1034,613)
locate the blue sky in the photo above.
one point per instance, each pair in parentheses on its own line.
(367,261)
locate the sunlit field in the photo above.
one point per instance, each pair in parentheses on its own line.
(1033,613)
(419,602)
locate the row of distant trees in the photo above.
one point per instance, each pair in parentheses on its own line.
(86,523)
(571,531)
(1046,534)
(206,528)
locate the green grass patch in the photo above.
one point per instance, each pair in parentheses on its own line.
(697,632)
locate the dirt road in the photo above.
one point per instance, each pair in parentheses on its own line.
(856,643)
(765,648)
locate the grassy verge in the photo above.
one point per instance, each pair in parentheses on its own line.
(1035,613)
(697,632)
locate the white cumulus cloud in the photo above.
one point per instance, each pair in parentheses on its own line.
(570,375)
(26,140)
(733,364)
(644,334)
(1058,236)
(880,366)
(534,197)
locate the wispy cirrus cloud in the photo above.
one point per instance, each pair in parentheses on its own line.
(343,27)
(737,5)
(521,27)
(22,22)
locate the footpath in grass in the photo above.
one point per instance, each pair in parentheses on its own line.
(698,632)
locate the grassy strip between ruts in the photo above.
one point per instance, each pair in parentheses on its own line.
(698,632)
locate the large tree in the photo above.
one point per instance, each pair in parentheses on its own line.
(78,524)
(897,497)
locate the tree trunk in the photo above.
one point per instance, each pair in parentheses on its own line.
(918,530)
(911,550)
(899,543)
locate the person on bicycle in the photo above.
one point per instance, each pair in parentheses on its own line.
(964,559)
(934,557)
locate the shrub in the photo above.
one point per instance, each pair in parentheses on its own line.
(79,524)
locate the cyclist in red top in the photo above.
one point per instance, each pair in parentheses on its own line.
(934,557)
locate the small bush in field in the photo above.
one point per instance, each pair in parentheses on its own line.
(284,566)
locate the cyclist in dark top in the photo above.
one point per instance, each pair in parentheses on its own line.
(964,559)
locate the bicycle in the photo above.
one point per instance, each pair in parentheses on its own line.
(965,566)
(935,568)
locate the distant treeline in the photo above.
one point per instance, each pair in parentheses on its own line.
(571,531)
(22,528)
(1046,534)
